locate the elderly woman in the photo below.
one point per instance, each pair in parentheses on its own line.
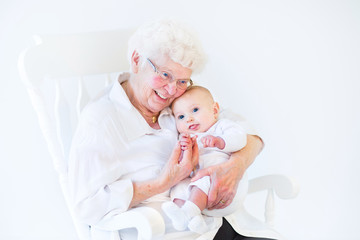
(122,153)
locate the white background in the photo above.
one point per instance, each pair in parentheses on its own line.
(291,67)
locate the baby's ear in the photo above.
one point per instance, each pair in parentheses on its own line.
(216,109)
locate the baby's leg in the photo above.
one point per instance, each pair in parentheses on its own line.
(198,197)
(176,215)
(179,202)
(172,209)
(193,207)
(187,213)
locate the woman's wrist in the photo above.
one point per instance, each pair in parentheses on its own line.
(237,163)
(245,157)
(147,189)
(163,184)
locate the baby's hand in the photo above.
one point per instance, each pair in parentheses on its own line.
(185,141)
(212,141)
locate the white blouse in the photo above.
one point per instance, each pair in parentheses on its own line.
(113,146)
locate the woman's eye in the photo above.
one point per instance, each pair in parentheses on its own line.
(181,117)
(165,75)
(195,109)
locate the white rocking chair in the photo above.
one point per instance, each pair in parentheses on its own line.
(76,63)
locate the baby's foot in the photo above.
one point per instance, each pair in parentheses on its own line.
(176,215)
(197,224)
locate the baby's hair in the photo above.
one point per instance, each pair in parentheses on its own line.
(200,88)
(195,88)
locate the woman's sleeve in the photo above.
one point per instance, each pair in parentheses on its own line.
(228,114)
(96,188)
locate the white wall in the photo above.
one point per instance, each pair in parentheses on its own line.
(290,67)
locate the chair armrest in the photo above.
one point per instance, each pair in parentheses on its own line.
(284,186)
(148,222)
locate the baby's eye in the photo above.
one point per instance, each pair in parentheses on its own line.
(195,109)
(181,117)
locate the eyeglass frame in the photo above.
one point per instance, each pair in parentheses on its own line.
(171,77)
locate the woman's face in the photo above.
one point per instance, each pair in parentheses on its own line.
(152,92)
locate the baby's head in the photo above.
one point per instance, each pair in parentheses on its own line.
(195,111)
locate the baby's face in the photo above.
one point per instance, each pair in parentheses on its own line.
(194,112)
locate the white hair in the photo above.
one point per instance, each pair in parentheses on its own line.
(168,38)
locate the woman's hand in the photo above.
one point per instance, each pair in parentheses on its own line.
(186,141)
(225,177)
(175,171)
(224,181)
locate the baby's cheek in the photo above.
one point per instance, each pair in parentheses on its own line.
(180,127)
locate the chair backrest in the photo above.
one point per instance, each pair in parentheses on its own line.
(58,72)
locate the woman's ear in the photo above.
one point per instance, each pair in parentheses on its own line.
(135,62)
(216,109)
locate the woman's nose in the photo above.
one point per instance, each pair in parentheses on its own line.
(171,88)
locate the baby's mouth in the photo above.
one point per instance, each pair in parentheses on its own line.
(194,127)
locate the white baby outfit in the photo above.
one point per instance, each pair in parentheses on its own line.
(188,215)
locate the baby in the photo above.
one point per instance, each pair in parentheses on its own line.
(196,113)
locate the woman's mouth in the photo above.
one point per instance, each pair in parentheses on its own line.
(161,96)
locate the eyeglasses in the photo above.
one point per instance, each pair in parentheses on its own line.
(167,77)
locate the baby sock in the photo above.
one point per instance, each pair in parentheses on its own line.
(189,215)
(197,224)
(196,221)
(177,215)
(190,209)
(180,217)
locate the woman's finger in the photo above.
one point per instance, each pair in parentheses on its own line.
(221,201)
(213,195)
(195,153)
(201,173)
(224,196)
(186,163)
(175,155)
(217,199)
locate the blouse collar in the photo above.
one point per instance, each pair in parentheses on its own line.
(134,125)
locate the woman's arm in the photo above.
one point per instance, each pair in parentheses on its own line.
(172,173)
(225,177)
(94,185)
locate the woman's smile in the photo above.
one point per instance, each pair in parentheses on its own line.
(161,96)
